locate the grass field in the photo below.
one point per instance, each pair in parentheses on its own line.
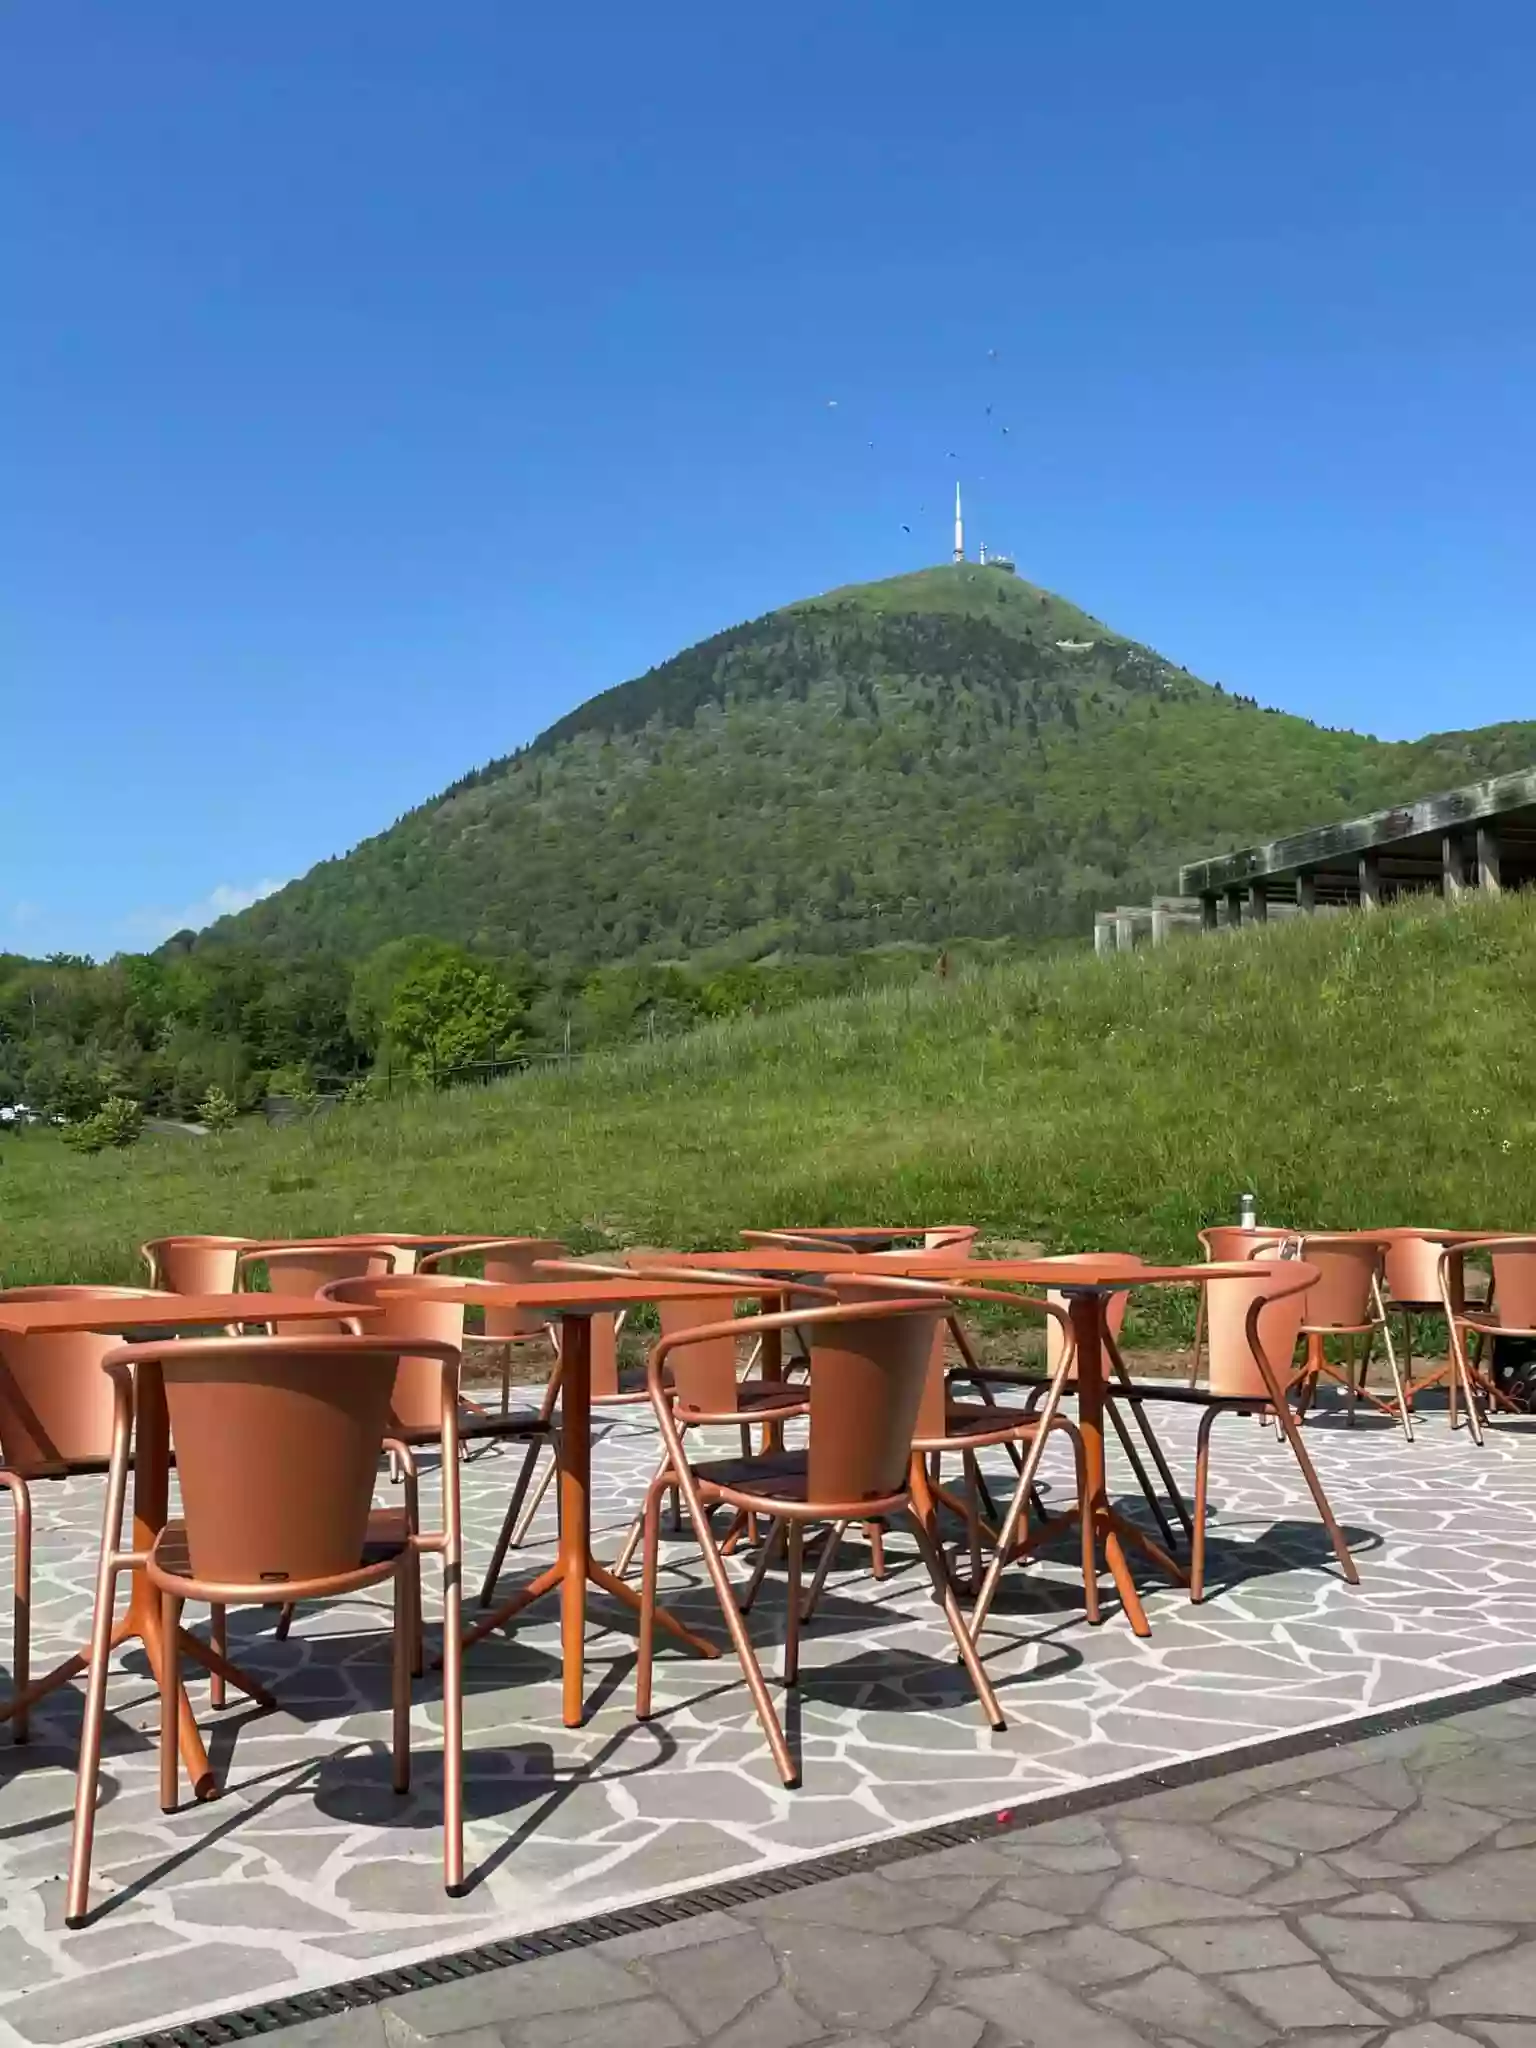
(1353,1071)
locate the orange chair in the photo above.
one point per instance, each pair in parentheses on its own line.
(55,1423)
(869,1364)
(1223,1241)
(1251,1330)
(307,1268)
(1346,1301)
(277,1443)
(1411,1286)
(411,1306)
(946,1428)
(195,1265)
(1510,1311)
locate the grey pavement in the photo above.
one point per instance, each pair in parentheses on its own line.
(1378,1892)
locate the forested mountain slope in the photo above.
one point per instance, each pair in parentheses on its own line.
(951,752)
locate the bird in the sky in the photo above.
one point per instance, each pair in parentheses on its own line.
(906,529)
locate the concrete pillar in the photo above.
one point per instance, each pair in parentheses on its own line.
(1488,879)
(1306,892)
(1208,913)
(1234,907)
(1370,879)
(1160,924)
(1125,929)
(1105,933)
(1258,904)
(1453,866)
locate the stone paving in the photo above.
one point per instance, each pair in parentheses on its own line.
(1379,1893)
(309,1871)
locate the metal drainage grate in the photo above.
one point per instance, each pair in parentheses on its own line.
(274,2014)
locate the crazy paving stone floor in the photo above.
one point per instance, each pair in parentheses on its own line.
(310,1871)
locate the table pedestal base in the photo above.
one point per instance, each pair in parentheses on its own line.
(1112,1533)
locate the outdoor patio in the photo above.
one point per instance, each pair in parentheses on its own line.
(334,1874)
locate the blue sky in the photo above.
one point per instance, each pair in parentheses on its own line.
(377,381)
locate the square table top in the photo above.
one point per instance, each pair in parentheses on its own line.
(152,1311)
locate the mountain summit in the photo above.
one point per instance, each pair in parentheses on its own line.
(953,752)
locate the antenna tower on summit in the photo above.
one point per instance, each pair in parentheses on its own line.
(959,528)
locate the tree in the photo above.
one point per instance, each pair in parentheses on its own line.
(451,1010)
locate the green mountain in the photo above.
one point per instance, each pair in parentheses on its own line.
(949,753)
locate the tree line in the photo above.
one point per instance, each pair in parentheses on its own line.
(180,1032)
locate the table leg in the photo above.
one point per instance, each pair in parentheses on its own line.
(1110,1528)
(575,1567)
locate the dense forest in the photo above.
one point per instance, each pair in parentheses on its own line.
(950,752)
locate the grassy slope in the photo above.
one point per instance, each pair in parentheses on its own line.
(1352,1070)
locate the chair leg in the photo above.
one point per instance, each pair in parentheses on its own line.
(874,1536)
(1319,1498)
(766,1554)
(453,1725)
(1143,1479)
(945,1593)
(504,1536)
(829,1549)
(218,1638)
(972,1516)
(284,1623)
(1202,1495)
(736,1626)
(21,1652)
(1399,1385)
(170,1703)
(796,1542)
(403,1655)
(650,1564)
(1087,1535)
(535,1499)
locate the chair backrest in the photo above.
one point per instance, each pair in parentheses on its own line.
(277,1445)
(868,1381)
(1514,1283)
(510,1262)
(1114,1312)
(703,1374)
(55,1400)
(194,1265)
(307,1268)
(1224,1241)
(1234,1371)
(933,1410)
(409,1310)
(1343,1297)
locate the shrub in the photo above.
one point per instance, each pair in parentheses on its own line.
(118,1122)
(217,1110)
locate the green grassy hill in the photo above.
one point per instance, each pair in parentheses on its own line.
(948,753)
(1352,1070)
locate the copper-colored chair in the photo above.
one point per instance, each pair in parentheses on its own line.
(1251,1330)
(1411,1286)
(947,1428)
(55,1423)
(195,1265)
(307,1268)
(509,1262)
(411,1306)
(869,1364)
(1510,1311)
(701,1380)
(277,1444)
(1346,1301)
(1221,1242)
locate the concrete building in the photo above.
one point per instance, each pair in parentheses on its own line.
(1479,837)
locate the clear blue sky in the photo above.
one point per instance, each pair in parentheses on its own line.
(378,380)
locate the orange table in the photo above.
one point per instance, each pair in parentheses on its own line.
(575,1301)
(122,1315)
(1088,1287)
